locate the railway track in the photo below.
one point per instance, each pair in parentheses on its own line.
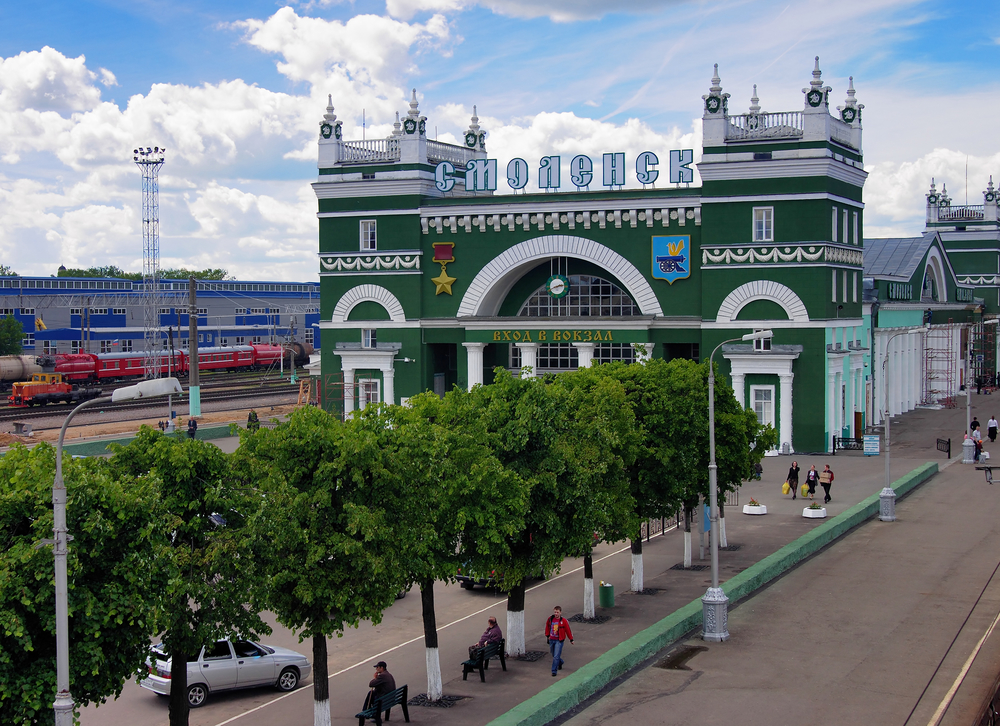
(210,392)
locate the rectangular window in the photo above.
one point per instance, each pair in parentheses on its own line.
(203,311)
(369,240)
(845,227)
(834,230)
(224,342)
(763,224)
(76,311)
(761,343)
(367,392)
(240,340)
(107,346)
(119,311)
(854,297)
(762,398)
(164,311)
(98,311)
(309,336)
(368,339)
(28,340)
(255,339)
(834,285)
(74,346)
(241,311)
(126,346)
(27,311)
(257,311)
(844,297)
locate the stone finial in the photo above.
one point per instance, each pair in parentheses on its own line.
(716,88)
(754,101)
(989,185)
(329,117)
(851,101)
(817,81)
(414,111)
(816,85)
(716,100)
(945,199)
(396,129)
(474,122)
(933,189)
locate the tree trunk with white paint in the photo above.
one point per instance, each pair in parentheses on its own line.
(687,536)
(434,686)
(723,542)
(588,587)
(515,621)
(321,683)
(636,583)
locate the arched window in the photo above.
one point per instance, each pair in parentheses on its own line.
(588,296)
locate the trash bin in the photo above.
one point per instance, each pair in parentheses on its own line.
(606,595)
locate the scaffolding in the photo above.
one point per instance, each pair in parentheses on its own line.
(941,365)
(984,359)
(149,162)
(332,394)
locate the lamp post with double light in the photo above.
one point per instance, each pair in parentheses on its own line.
(63,705)
(715,604)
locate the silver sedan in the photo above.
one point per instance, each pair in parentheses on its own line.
(228,665)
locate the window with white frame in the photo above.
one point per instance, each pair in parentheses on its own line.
(28,340)
(241,311)
(369,240)
(368,391)
(762,399)
(223,342)
(834,285)
(255,339)
(107,346)
(76,311)
(761,343)
(202,311)
(833,231)
(763,224)
(27,311)
(74,346)
(125,346)
(240,340)
(857,240)
(118,311)
(844,296)
(368,338)
(309,336)
(846,240)
(854,288)
(164,311)
(256,311)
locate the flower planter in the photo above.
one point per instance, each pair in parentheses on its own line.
(814,513)
(759,509)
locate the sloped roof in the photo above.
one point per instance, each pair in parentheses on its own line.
(896,257)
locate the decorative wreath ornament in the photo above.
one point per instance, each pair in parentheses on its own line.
(753,122)
(849,114)
(470,139)
(932,199)
(410,126)
(482,140)
(557,286)
(713,104)
(814,98)
(326,131)
(423,127)
(991,197)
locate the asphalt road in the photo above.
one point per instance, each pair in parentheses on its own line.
(398,639)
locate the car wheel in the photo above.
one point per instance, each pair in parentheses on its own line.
(197,694)
(467,585)
(288,679)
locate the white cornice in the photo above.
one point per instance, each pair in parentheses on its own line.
(780,169)
(784,197)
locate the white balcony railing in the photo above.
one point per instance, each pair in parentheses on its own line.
(370,150)
(964,212)
(438,151)
(781,125)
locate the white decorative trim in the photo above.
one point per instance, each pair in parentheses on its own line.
(712,169)
(368,213)
(824,196)
(762,290)
(354,262)
(489,288)
(935,262)
(981,280)
(368,293)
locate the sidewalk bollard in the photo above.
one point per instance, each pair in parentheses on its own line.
(968,451)
(887,505)
(606,595)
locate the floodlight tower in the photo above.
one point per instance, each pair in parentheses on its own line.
(149,162)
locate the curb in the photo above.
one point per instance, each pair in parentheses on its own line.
(100,446)
(559,698)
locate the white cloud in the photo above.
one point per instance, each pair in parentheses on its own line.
(107,77)
(406,9)
(46,80)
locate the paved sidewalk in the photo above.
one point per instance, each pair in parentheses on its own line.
(861,633)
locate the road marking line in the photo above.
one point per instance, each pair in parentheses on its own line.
(420,637)
(946,701)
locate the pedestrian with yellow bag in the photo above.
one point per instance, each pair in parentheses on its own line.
(792,480)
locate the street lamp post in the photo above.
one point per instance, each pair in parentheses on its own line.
(715,604)
(63,705)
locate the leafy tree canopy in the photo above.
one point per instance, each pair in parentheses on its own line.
(6,271)
(212,273)
(11,334)
(114,577)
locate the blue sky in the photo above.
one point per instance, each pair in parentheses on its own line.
(235,90)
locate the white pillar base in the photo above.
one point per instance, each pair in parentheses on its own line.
(434,687)
(636,572)
(515,632)
(588,598)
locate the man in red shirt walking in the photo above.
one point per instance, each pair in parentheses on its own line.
(556,632)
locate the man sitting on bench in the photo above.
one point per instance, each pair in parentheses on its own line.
(492,635)
(382,683)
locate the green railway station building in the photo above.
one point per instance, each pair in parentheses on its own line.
(437,264)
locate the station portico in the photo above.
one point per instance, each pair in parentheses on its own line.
(432,274)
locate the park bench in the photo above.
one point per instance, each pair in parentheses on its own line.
(854,443)
(384,703)
(482,660)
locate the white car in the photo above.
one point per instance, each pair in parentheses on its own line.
(228,665)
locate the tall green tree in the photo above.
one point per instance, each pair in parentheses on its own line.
(340,527)
(214,584)
(543,433)
(464,508)
(114,579)
(6,271)
(11,335)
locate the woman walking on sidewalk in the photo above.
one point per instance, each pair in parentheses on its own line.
(793,478)
(812,478)
(991,428)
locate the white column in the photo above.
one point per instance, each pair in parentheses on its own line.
(740,392)
(838,404)
(585,354)
(649,350)
(474,354)
(831,423)
(849,383)
(529,358)
(784,409)
(348,390)
(388,387)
